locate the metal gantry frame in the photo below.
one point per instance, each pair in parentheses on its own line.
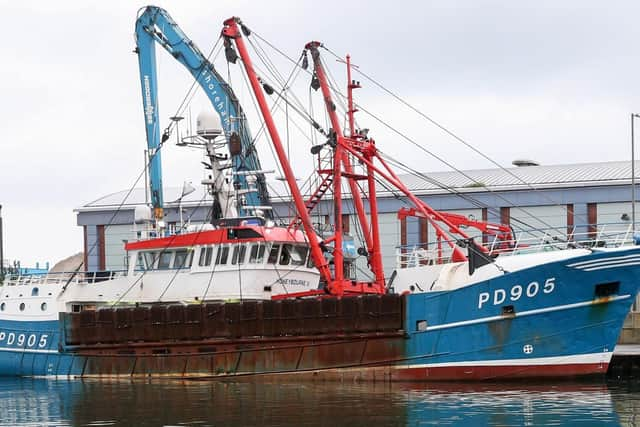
(362,149)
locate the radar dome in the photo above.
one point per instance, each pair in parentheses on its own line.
(208,125)
(142,214)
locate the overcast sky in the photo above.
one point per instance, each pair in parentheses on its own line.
(554,81)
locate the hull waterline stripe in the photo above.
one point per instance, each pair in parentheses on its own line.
(524,313)
(601,267)
(608,262)
(603,357)
(27,350)
(603,260)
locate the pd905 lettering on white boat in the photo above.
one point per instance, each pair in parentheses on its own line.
(516,292)
(23,340)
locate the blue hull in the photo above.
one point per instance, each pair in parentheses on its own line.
(534,322)
(558,319)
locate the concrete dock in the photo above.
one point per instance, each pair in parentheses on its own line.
(625,362)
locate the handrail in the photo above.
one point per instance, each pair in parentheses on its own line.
(62,277)
(425,254)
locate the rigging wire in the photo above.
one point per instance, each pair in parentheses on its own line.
(461,172)
(529,228)
(413,142)
(177,271)
(113,216)
(186,100)
(441,185)
(339,97)
(450,133)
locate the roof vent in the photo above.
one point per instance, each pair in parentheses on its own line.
(524,162)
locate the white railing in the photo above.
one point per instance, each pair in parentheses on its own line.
(607,235)
(62,278)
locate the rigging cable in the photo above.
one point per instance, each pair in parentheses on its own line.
(450,133)
(406,137)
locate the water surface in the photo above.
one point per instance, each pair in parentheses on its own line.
(34,402)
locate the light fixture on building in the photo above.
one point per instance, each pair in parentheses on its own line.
(524,162)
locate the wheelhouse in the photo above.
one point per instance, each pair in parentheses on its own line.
(254,247)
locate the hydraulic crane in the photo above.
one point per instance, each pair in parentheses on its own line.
(154,25)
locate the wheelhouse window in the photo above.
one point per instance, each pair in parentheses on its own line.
(256,255)
(183,258)
(150,259)
(273,254)
(140,264)
(205,256)
(222,255)
(293,254)
(285,255)
(239,252)
(310,263)
(164,261)
(299,254)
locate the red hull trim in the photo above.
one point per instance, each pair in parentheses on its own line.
(483,373)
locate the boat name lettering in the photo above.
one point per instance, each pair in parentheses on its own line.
(516,292)
(148,105)
(23,340)
(293,282)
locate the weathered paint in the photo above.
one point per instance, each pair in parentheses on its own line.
(569,330)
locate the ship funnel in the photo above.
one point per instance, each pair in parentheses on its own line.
(208,125)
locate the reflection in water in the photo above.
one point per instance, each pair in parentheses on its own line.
(49,402)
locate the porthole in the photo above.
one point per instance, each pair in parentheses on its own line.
(43,306)
(3,306)
(35,292)
(21,306)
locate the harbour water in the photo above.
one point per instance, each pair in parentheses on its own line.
(36,402)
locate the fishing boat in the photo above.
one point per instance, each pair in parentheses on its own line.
(460,310)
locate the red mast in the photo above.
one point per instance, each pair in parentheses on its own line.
(232,32)
(372,239)
(336,283)
(364,150)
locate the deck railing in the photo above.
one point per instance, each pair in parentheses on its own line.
(607,235)
(63,277)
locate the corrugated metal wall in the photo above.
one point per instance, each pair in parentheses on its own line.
(615,218)
(115,235)
(551,220)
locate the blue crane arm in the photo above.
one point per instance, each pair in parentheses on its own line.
(154,25)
